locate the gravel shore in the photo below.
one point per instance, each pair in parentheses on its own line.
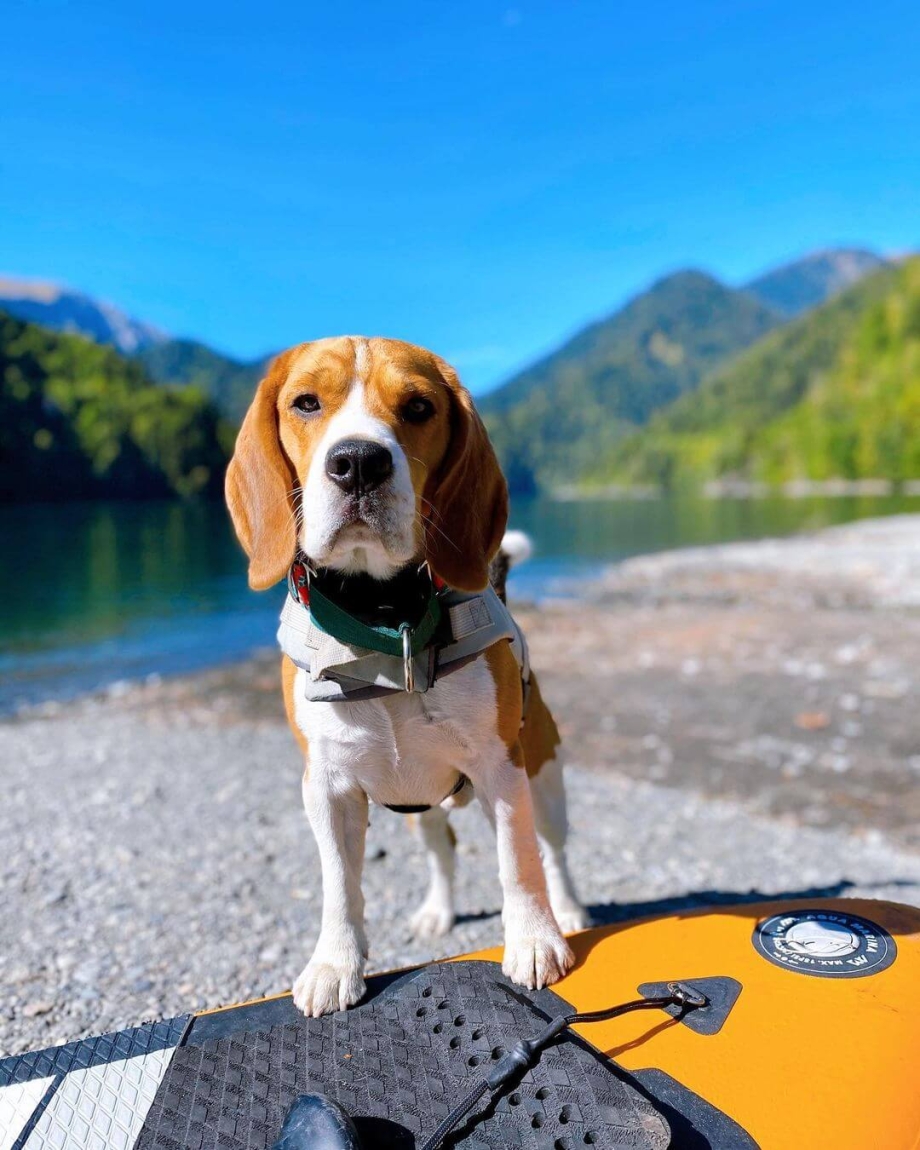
(737,726)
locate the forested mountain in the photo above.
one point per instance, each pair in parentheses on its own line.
(69,311)
(807,282)
(229,382)
(553,422)
(835,393)
(185,362)
(556,423)
(79,420)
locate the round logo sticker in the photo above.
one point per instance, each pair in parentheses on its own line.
(825,943)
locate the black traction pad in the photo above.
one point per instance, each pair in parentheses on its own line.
(399,1064)
(695,1123)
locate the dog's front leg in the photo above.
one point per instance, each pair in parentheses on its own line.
(536,954)
(333,979)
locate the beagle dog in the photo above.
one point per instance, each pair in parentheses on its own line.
(366,458)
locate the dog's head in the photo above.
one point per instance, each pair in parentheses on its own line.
(366,454)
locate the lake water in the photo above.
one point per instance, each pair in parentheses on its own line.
(91,594)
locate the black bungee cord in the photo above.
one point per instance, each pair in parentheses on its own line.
(526,1053)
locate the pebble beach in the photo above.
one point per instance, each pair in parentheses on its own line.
(740,722)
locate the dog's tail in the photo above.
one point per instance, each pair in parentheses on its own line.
(516,547)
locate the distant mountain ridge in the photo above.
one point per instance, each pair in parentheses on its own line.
(230,383)
(557,421)
(809,281)
(551,423)
(79,420)
(166,360)
(59,308)
(833,395)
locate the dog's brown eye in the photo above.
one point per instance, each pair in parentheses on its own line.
(418,409)
(307,403)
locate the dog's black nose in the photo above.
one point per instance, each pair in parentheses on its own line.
(358,465)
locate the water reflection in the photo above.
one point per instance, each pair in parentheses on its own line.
(96,592)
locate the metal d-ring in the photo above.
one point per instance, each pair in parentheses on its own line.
(408,667)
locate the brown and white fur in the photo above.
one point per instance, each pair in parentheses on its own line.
(443,499)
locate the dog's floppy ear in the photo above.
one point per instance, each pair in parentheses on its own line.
(467,497)
(260,486)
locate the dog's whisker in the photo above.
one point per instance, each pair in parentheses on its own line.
(434,527)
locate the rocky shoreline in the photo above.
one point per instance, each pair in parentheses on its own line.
(738,717)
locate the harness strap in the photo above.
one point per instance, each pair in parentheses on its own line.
(420,808)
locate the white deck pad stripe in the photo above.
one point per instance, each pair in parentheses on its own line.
(17,1104)
(101,1107)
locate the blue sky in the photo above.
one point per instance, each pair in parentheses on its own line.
(479,177)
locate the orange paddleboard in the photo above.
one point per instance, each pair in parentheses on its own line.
(820,1050)
(809,1040)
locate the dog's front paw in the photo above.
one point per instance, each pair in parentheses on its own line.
(325,986)
(538,960)
(432,920)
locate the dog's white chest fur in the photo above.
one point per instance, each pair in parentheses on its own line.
(404,748)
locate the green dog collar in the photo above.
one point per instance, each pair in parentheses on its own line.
(422,608)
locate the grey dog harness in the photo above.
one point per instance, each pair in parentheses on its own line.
(343,672)
(340,672)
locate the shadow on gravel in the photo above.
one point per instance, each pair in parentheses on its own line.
(603,914)
(477,916)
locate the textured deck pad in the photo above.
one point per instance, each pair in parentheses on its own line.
(399,1064)
(87,1095)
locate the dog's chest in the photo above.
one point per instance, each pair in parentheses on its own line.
(403,748)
